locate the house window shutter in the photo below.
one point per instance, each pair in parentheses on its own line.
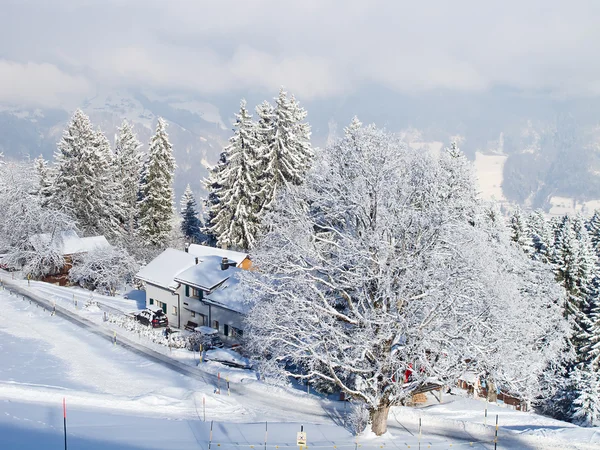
(187,291)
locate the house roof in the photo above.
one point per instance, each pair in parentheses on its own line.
(229,295)
(68,243)
(204,250)
(206,275)
(163,269)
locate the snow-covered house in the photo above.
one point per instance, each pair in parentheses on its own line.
(241,260)
(69,245)
(195,291)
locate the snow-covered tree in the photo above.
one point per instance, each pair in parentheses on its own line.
(593,225)
(586,404)
(104,269)
(287,153)
(383,261)
(542,237)
(44,190)
(191,224)
(128,168)
(236,221)
(156,208)
(520,232)
(211,183)
(84,184)
(24,219)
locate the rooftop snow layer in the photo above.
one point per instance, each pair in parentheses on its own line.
(206,275)
(163,269)
(69,243)
(229,295)
(204,250)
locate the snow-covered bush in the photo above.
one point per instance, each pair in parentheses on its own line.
(24,217)
(155,335)
(357,418)
(103,269)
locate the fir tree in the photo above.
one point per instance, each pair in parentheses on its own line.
(354,126)
(212,185)
(519,230)
(128,168)
(236,221)
(44,190)
(586,404)
(542,237)
(287,154)
(593,226)
(191,225)
(156,208)
(84,184)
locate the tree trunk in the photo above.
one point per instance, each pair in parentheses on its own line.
(492,395)
(379,418)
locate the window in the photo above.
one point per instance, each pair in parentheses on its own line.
(226,330)
(215,324)
(237,333)
(162,306)
(152,301)
(193,313)
(197,293)
(175,310)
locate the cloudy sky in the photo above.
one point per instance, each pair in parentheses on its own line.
(56,52)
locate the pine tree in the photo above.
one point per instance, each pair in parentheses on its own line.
(593,226)
(156,208)
(128,168)
(44,191)
(236,221)
(586,404)
(84,185)
(191,225)
(542,237)
(288,154)
(351,129)
(519,230)
(212,185)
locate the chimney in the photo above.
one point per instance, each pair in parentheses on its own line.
(187,246)
(224,246)
(197,260)
(224,263)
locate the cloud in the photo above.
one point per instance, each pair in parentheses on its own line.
(39,85)
(316,48)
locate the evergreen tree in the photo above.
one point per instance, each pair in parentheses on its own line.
(236,221)
(519,230)
(44,190)
(128,168)
(191,225)
(84,185)
(212,186)
(586,404)
(354,126)
(156,208)
(542,237)
(593,226)
(288,154)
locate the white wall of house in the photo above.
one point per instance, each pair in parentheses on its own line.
(225,320)
(158,297)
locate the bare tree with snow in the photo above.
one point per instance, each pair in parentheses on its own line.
(383,263)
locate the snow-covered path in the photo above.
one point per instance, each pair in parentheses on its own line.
(46,358)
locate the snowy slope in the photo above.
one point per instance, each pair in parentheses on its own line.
(147,405)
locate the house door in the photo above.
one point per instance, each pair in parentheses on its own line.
(226,330)
(164,307)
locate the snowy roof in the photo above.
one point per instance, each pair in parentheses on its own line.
(229,295)
(69,243)
(206,275)
(163,269)
(204,250)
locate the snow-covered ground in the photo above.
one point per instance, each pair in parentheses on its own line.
(118,398)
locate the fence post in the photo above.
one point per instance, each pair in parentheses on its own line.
(419,433)
(204,407)
(496,435)
(266,430)
(486,410)
(210,435)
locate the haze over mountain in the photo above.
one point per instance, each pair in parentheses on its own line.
(515,80)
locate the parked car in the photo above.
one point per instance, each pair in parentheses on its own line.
(228,357)
(207,337)
(154,318)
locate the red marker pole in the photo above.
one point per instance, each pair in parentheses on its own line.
(65,420)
